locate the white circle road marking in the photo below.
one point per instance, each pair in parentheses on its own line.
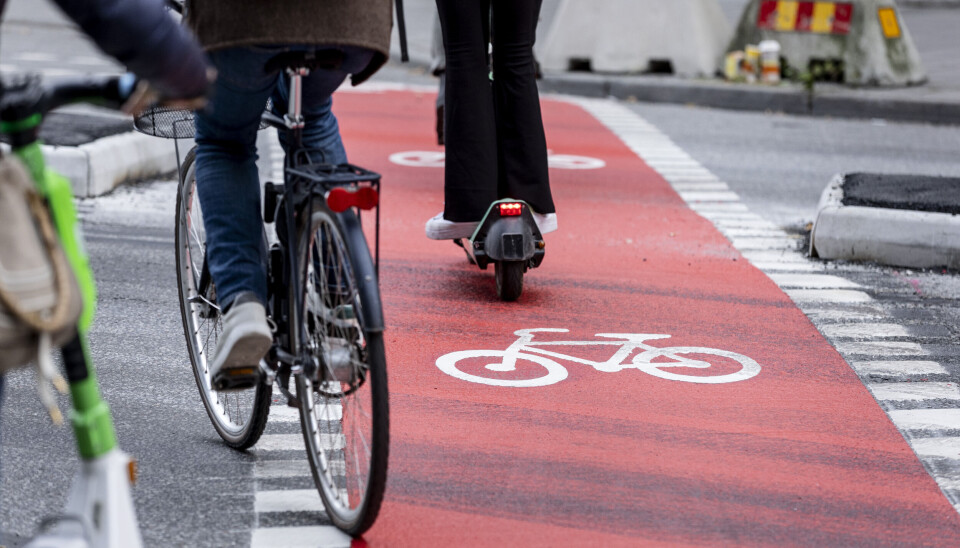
(432,158)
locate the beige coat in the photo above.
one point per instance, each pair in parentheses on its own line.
(227,23)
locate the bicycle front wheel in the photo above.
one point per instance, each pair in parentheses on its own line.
(343,408)
(238,417)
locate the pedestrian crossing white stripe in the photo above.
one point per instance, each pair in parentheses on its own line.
(881,348)
(828,295)
(864,331)
(787,266)
(701,187)
(915,391)
(718,207)
(926,419)
(300,537)
(748,244)
(899,367)
(294,442)
(281,468)
(775,256)
(946,448)
(753,232)
(284,413)
(291,500)
(710,196)
(280,442)
(812,281)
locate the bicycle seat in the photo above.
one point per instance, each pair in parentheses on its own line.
(321,58)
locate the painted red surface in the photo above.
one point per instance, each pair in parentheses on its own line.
(799,455)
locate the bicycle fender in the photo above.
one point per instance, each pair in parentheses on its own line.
(367,283)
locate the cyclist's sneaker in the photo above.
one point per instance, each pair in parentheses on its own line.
(546,222)
(439,228)
(245,340)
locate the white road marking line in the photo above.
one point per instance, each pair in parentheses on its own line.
(709,196)
(828,295)
(284,413)
(761,244)
(713,207)
(915,391)
(947,448)
(776,256)
(300,537)
(787,266)
(813,281)
(881,348)
(926,419)
(289,500)
(701,187)
(899,367)
(864,330)
(280,442)
(753,232)
(281,469)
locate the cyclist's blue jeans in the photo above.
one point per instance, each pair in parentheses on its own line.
(228,183)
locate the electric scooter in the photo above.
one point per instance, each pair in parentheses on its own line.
(509,238)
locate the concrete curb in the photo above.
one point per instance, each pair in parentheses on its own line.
(894,237)
(98,167)
(827,101)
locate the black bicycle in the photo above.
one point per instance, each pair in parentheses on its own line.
(324,303)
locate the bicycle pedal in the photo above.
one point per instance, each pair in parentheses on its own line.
(238,378)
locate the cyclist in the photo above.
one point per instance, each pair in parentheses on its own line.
(141,35)
(493,133)
(353,38)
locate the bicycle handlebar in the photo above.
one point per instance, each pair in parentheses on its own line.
(29,96)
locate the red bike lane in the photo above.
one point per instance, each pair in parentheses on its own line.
(799,454)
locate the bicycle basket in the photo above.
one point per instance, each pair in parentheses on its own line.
(169,123)
(172,123)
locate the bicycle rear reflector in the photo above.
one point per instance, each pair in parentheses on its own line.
(510,209)
(340,199)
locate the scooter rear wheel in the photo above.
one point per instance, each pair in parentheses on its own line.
(509,275)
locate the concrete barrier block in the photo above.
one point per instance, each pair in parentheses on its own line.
(624,36)
(868,36)
(895,237)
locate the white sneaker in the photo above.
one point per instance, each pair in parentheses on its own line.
(439,228)
(246,338)
(546,222)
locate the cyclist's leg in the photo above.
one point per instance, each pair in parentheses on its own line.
(228,184)
(321,131)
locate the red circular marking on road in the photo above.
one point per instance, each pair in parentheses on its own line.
(799,453)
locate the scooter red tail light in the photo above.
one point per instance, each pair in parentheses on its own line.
(341,199)
(510,209)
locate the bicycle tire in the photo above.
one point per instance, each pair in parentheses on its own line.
(336,319)
(238,417)
(509,276)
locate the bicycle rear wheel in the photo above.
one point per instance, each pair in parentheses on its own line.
(344,409)
(238,417)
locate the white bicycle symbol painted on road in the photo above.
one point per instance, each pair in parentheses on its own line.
(645,360)
(433,158)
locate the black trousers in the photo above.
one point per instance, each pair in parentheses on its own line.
(495,145)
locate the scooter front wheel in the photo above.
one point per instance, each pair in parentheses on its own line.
(509,275)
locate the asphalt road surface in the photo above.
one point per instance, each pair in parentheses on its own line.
(795,447)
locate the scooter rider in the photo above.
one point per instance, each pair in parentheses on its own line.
(242,37)
(495,144)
